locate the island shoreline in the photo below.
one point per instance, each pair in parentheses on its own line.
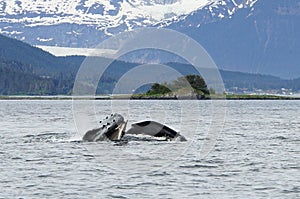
(129,97)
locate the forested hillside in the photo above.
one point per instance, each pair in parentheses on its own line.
(27,70)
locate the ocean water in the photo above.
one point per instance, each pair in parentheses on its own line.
(250,151)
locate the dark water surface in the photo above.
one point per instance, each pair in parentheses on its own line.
(257,155)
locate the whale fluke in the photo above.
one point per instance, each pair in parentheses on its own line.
(155,129)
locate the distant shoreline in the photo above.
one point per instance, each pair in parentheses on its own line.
(260,97)
(126,97)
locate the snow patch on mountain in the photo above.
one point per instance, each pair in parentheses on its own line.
(82,23)
(104,13)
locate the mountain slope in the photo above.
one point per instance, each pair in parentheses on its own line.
(256,36)
(85,23)
(25,69)
(30,74)
(41,62)
(259,39)
(16,82)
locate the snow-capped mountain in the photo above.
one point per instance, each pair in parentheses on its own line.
(84,23)
(260,39)
(257,36)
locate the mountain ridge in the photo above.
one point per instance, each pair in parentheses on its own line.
(24,19)
(254,36)
(27,76)
(261,39)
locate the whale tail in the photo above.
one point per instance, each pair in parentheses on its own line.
(155,129)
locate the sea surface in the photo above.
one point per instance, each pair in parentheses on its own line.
(235,149)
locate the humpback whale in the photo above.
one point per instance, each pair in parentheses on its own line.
(114,128)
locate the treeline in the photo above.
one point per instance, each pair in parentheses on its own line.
(258,81)
(18,79)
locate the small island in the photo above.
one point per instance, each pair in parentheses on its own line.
(194,87)
(186,87)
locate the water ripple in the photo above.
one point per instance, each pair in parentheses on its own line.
(256,156)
